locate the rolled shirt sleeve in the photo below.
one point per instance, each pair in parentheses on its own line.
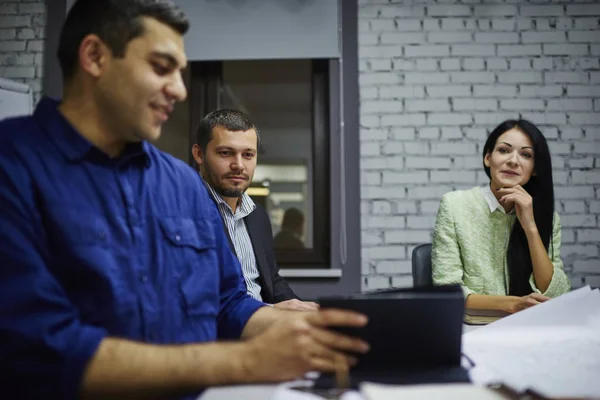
(446,262)
(44,348)
(560,283)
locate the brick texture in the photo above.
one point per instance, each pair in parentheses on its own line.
(22,25)
(438,77)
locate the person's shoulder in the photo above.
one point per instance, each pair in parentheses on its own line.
(18,130)
(173,165)
(462,196)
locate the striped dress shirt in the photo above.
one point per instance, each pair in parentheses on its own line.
(238,232)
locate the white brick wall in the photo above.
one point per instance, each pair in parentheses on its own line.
(435,78)
(22,26)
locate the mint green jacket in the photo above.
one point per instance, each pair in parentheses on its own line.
(470,243)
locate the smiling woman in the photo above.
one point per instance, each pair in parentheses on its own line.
(501,242)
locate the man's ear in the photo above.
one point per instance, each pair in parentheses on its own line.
(486,159)
(93,55)
(197,153)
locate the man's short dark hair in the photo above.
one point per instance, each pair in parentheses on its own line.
(116,22)
(232,120)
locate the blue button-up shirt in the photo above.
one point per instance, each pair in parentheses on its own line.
(92,246)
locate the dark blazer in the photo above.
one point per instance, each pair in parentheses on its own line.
(274,288)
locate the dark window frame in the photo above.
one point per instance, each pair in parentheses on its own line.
(205,80)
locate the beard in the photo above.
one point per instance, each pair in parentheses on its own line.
(224,190)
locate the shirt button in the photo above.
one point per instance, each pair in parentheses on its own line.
(177,238)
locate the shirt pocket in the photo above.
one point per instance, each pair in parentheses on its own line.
(193,255)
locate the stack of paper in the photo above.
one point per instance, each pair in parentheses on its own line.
(552,348)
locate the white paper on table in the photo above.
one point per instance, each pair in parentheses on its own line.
(462,391)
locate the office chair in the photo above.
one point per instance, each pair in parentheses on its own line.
(421,265)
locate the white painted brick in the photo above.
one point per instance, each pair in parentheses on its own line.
(377,282)
(495,10)
(430,206)
(595,50)
(35,45)
(380,107)
(404,281)
(470,162)
(419,222)
(8,9)
(583,9)
(452,148)
(370,149)
(450,37)
(473,64)
(560,177)
(417,148)
(408,25)
(381,25)
(570,133)
(558,162)
(370,121)
(494,64)
(497,37)
(405,207)
(374,163)
(570,105)
(387,222)
(541,10)
(565,49)
(8,34)
(473,50)
(567,236)
(472,77)
(503,24)
(34,8)
(595,206)
(453,177)
(594,77)
(403,65)
(519,50)
(399,92)
(405,177)
(407,237)
(592,133)
(373,134)
(16,21)
(584,36)
(587,23)
(368,39)
(585,177)
(451,133)
(540,91)
(572,193)
(566,77)
(18,72)
(582,91)
(563,24)
(402,37)
(385,253)
(427,64)
(387,193)
(402,12)
(581,162)
(578,220)
(427,105)
(474,104)
(596,104)
(394,267)
(427,162)
(448,10)
(520,77)
(380,65)
(432,24)
(586,250)
(429,133)
(453,24)
(574,206)
(448,91)
(393,148)
(449,119)
(592,280)
(543,63)
(379,78)
(484,24)
(379,51)
(426,51)
(549,132)
(559,147)
(492,118)
(368,93)
(430,192)
(426,77)
(403,120)
(12,45)
(452,64)
(403,134)
(495,90)
(370,178)
(370,239)
(584,118)
(524,24)
(520,64)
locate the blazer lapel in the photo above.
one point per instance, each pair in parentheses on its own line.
(253,226)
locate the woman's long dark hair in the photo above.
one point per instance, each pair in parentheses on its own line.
(541,189)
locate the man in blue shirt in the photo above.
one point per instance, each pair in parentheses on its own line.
(115,269)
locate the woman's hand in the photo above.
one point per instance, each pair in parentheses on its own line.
(521,303)
(523,205)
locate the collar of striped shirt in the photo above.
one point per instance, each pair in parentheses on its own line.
(245,203)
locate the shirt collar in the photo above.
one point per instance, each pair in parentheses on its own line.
(492,201)
(245,204)
(71,143)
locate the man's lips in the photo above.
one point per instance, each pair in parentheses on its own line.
(510,173)
(236,178)
(163,110)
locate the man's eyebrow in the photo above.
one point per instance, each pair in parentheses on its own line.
(225,147)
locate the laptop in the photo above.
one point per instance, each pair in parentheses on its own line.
(414,336)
